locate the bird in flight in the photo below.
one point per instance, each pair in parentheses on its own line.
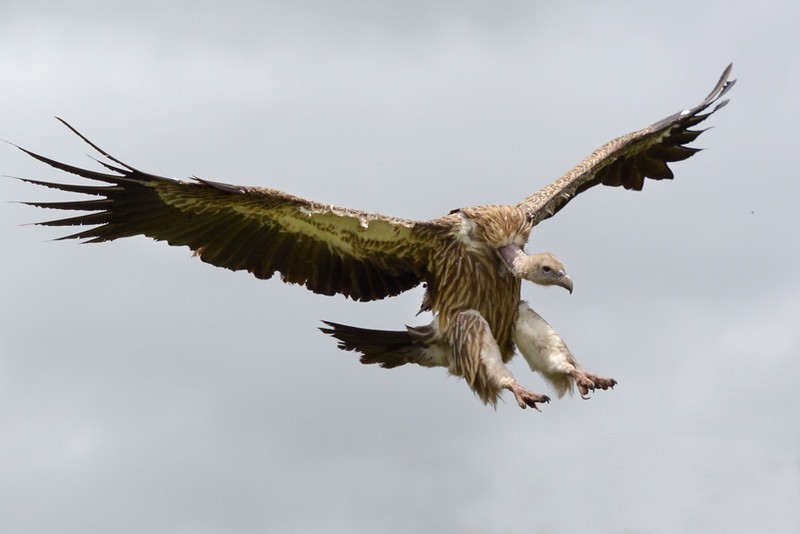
(471,261)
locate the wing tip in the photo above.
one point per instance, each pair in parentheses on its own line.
(724,85)
(94,146)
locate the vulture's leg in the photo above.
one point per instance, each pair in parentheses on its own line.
(546,353)
(477,357)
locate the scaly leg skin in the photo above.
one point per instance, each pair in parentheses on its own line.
(587,382)
(526,397)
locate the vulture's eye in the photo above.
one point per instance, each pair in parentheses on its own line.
(546,269)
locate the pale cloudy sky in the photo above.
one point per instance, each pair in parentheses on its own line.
(144,391)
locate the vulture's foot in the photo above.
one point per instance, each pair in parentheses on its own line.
(589,382)
(526,397)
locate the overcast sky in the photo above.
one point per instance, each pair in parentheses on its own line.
(142,390)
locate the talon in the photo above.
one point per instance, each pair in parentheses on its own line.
(526,398)
(587,382)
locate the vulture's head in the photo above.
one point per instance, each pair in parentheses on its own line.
(543,269)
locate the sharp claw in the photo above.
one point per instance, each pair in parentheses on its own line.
(590,383)
(527,398)
(545,399)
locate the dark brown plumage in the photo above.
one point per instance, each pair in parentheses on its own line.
(471,259)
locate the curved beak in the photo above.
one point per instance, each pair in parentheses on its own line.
(566,282)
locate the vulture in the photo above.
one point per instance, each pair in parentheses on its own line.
(471,261)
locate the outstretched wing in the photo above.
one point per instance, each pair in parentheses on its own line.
(629,159)
(329,249)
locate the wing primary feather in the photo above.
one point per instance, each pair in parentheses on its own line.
(671,154)
(71,188)
(94,146)
(80,220)
(76,205)
(85,173)
(723,85)
(684,137)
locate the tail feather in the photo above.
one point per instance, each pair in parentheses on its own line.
(387,348)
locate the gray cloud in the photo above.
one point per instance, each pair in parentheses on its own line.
(143,391)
